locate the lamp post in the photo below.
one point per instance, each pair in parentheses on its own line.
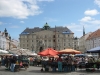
(32,48)
(9,42)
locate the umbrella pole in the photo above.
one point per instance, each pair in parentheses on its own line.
(42,66)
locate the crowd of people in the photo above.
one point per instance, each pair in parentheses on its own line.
(61,63)
(69,61)
(10,62)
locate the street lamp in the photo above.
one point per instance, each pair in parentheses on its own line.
(32,48)
(9,42)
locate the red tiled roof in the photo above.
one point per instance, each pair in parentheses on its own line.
(94,34)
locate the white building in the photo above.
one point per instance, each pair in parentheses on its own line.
(14,43)
(82,42)
(2,41)
(93,40)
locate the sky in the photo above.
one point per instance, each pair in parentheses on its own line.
(17,15)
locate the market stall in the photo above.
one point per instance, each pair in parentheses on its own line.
(50,53)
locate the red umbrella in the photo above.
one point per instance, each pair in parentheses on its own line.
(47,52)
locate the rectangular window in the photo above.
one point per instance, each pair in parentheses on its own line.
(58,35)
(36,40)
(68,35)
(53,40)
(69,44)
(74,45)
(53,36)
(64,44)
(32,40)
(58,40)
(45,40)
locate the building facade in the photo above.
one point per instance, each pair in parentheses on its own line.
(38,39)
(5,40)
(93,40)
(82,42)
(14,43)
(2,41)
(76,43)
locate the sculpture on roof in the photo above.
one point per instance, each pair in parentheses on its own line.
(6,33)
(46,26)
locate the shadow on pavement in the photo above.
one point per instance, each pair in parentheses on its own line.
(84,71)
(38,71)
(78,71)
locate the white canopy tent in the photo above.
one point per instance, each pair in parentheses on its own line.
(22,52)
(3,51)
(33,54)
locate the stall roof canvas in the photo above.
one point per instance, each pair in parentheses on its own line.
(94,50)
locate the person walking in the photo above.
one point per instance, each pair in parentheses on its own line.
(13,61)
(59,60)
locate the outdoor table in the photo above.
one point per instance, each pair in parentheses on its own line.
(81,65)
(92,66)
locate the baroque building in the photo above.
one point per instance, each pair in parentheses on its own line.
(8,39)
(38,39)
(6,43)
(2,41)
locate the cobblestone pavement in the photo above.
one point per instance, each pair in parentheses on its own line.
(36,71)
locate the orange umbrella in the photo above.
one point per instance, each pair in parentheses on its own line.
(69,51)
(48,51)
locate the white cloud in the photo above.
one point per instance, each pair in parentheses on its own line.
(90,20)
(14,26)
(20,9)
(97,2)
(91,12)
(75,27)
(1,23)
(86,19)
(96,22)
(22,22)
